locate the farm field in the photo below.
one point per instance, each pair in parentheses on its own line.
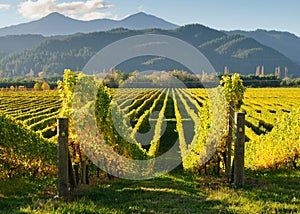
(272,153)
(39,110)
(266,109)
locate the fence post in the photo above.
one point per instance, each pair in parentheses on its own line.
(229,141)
(83,172)
(62,157)
(239,149)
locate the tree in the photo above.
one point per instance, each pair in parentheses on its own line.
(37,86)
(45,86)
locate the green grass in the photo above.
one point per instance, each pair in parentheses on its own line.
(265,192)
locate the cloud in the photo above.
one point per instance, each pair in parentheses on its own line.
(40,8)
(140,9)
(93,15)
(4,6)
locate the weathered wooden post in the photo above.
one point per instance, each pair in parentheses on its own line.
(83,172)
(229,140)
(62,157)
(239,149)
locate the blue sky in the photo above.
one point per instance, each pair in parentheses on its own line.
(280,15)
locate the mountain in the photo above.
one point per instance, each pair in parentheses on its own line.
(284,42)
(58,24)
(240,54)
(12,43)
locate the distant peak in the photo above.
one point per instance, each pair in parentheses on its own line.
(54,14)
(139,14)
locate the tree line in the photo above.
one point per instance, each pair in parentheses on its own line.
(116,78)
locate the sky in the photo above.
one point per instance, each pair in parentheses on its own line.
(281,15)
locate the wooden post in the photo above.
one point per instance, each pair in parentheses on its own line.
(71,176)
(62,156)
(83,172)
(239,149)
(229,141)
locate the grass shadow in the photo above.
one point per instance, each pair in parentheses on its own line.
(177,192)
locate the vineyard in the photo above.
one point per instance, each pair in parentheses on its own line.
(37,110)
(273,128)
(27,121)
(158,117)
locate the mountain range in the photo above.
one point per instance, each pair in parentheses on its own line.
(55,49)
(58,24)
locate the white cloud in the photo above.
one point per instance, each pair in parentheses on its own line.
(4,6)
(93,15)
(140,9)
(40,8)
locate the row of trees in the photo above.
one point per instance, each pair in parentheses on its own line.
(37,83)
(36,87)
(116,78)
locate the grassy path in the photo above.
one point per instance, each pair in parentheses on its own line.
(266,192)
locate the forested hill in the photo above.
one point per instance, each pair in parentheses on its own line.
(285,42)
(238,53)
(12,43)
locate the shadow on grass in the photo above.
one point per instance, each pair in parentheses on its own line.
(277,190)
(22,192)
(171,193)
(267,191)
(161,195)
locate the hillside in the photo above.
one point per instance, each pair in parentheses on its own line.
(243,54)
(239,53)
(284,42)
(9,44)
